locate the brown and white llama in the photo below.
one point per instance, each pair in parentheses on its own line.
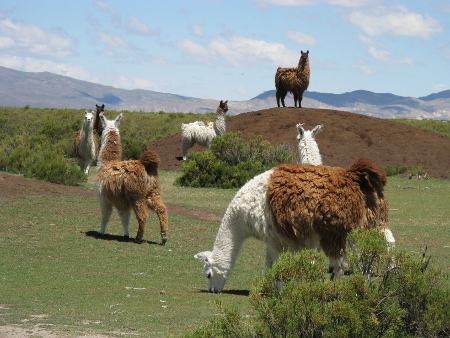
(98,124)
(202,133)
(128,185)
(294,80)
(294,207)
(309,154)
(85,143)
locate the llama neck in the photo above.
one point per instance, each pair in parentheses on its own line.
(220,124)
(86,132)
(309,152)
(228,243)
(111,148)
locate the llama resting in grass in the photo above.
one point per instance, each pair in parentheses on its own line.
(85,143)
(98,124)
(203,133)
(294,80)
(292,207)
(308,150)
(128,185)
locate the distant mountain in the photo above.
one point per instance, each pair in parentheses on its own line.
(48,90)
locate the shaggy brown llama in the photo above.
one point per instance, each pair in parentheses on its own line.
(294,80)
(98,124)
(294,207)
(128,185)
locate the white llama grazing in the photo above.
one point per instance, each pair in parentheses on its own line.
(203,133)
(293,207)
(127,185)
(85,145)
(308,150)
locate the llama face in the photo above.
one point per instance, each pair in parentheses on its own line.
(224,105)
(304,55)
(216,277)
(88,117)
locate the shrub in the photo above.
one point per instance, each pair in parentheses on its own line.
(389,294)
(231,162)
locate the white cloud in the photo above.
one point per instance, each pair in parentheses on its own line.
(396,21)
(239,51)
(134,83)
(364,67)
(113,40)
(301,38)
(22,37)
(439,87)
(115,18)
(29,64)
(135,26)
(197,29)
(383,56)
(302,3)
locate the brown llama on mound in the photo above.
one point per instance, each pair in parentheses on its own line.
(294,80)
(128,185)
(98,124)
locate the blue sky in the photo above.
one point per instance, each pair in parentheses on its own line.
(231,49)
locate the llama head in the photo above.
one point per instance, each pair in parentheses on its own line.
(304,55)
(110,124)
(216,276)
(223,105)
(88,117)
(100,108)
(307,145)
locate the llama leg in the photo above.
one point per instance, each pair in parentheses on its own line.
(333,247)
(141,212)
(156,204)
(106,209)
(277,95)
(125,220)
(295,99)
(300,98)
(186,145)
(283,94)
(271,256)
(338,266)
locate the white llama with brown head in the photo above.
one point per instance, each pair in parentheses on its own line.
(128,185)
(85,143)
(202,133)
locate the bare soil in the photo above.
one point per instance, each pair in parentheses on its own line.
(344,138)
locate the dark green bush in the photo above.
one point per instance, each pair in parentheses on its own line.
(389,294)
(231,162)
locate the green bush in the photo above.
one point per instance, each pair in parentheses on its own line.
(389,294)
(231,162)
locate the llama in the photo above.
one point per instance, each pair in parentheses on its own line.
(294,207)
(98,124)
(309,154)
(128,185)
(294,80)
(308,150)
(85,143)
(203,133)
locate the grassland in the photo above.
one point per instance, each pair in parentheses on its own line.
(55,273)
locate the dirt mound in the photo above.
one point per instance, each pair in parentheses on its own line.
(345,136)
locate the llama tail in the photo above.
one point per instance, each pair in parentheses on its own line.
(371,178)
(150,160)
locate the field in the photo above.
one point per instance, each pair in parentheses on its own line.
(57,278)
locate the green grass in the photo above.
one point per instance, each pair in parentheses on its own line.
(55,272)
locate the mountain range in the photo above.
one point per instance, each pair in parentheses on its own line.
(48,90)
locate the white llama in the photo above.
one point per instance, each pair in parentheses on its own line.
(308,150)
(292,207)
(203,133)
(85,145)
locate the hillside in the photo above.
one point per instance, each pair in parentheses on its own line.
(345,136)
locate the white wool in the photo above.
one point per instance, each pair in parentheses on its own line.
(86,146)
(200,133)
(308,150)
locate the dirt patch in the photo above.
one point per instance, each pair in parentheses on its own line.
(345,137)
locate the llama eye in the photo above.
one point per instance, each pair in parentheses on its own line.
(208,275)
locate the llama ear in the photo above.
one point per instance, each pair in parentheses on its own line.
(117,120)
(316,130)
(300,130)
(203,256)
